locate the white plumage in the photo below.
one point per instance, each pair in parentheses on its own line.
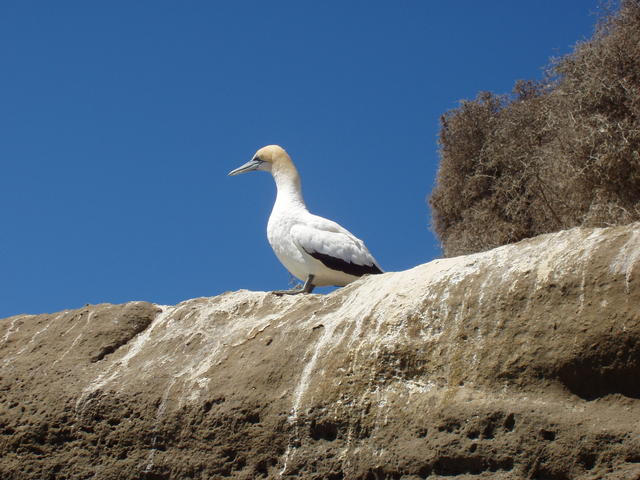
(314,249)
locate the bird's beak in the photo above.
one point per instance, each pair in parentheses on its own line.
(247,167)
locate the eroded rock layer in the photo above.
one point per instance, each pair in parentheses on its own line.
(518,363)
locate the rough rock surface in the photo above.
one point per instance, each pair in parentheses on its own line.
(518,363)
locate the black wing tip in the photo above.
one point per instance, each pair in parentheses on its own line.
(375,270)
(341,265)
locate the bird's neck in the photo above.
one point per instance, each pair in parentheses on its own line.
(289,188)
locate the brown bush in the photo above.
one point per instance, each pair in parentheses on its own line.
(554,154)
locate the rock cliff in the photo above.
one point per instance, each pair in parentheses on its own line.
(518,363)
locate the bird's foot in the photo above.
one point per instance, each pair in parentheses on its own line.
(306,288)
(294,291)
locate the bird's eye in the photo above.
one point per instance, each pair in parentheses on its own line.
(256,159)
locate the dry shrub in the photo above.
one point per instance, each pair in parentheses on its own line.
(554,154)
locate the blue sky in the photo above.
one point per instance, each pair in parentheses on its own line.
(120,120)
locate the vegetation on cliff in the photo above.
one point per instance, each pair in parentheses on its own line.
(556,153)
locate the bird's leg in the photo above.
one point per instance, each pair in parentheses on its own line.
(308,285)
(306,288)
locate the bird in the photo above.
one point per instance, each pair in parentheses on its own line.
(317,251)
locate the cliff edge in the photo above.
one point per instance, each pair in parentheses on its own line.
(522,362)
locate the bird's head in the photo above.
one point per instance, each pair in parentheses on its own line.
(269,158)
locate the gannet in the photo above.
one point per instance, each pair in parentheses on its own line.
(317,251)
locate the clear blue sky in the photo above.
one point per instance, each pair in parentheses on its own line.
(120,120)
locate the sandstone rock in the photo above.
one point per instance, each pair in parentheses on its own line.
(518,363)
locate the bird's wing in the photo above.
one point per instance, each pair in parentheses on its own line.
(335,247)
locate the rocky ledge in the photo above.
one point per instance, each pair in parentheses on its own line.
(518,363)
